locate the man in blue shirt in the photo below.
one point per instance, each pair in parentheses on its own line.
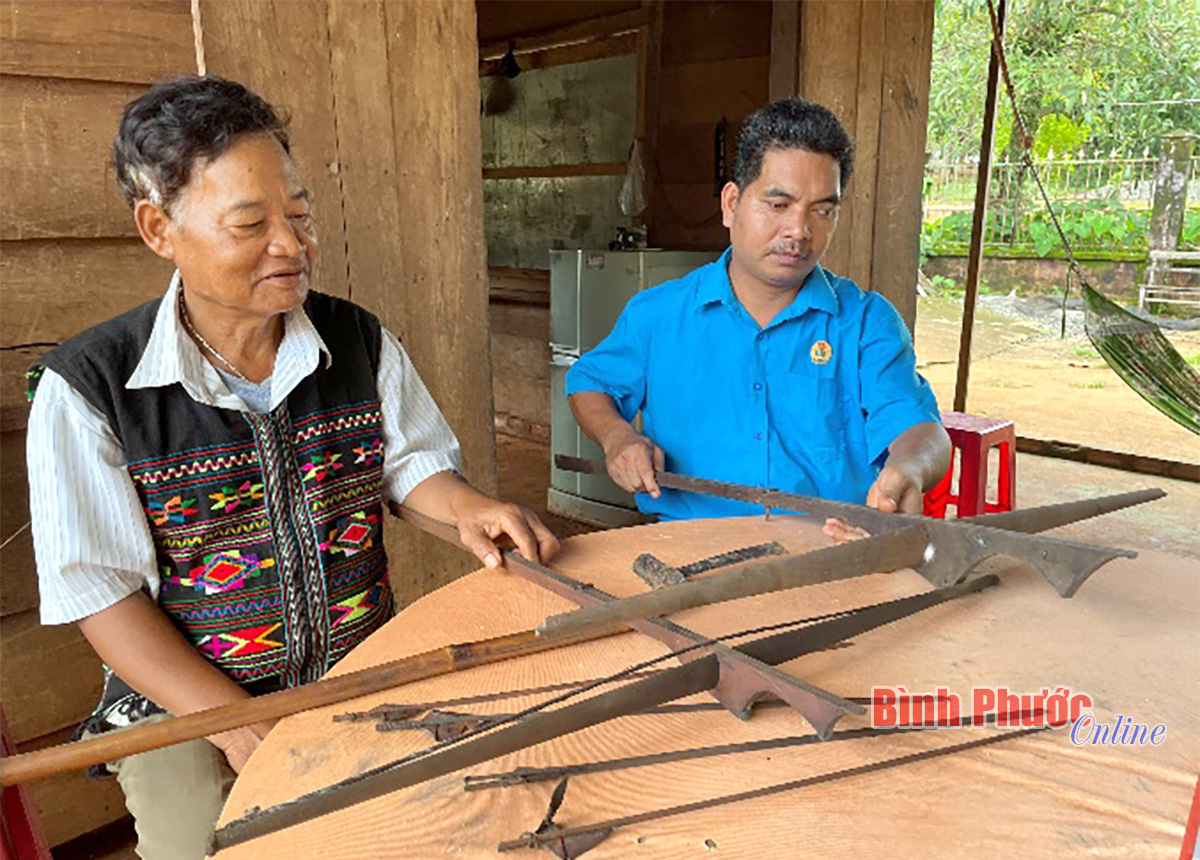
(762,368)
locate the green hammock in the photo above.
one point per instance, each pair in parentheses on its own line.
(1143,357)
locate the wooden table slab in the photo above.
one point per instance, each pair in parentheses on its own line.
(1130,638)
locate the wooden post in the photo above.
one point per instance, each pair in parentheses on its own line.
(978,222)
(384,98)
(649,75)
(903,119)
(1170,190)
(869,62)
(784,78)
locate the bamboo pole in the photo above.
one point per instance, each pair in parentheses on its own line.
(330,691)
(978,226)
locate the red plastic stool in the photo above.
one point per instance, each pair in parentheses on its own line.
(21,833)
(973,436)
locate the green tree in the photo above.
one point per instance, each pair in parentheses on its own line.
(1111,74)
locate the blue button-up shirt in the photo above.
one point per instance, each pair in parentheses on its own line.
(808,404)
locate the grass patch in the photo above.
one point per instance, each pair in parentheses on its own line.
(1099,383)
(1085,352)
(1193,359)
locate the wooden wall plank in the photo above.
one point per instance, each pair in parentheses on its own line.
(861,193)
(705,92)
(14,361)
(689,218)
(521,360)
(870,62)
(830,57)
(52,678)
(293,74)
(440,297)
(71,804)
(785,49)
(445,317)
(687,153)
(380,272)
(18,575)
(502,19)
(56,289)
(705,31)
(133,42)
(55,145)
(905,112)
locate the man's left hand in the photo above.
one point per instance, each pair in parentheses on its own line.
(483,520)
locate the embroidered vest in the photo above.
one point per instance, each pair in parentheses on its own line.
(267,528)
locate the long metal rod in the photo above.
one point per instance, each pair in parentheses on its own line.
(957,546)
(530,775)
(532,840)
(886,552)
(743,679)
(1027,520)
(983,184)
(693,677)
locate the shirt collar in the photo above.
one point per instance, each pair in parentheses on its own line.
(172,356)
(816,292)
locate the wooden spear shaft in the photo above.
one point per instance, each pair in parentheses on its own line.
(330,691)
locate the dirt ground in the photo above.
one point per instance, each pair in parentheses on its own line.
(1051,387)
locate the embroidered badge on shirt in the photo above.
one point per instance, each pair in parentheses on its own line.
(821,352)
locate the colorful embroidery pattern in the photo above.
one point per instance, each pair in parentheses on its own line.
(196,467)
(357,606)
(174,510)
(251,534)
(222,572)
(321,466)
(369,453)
(228,499)
(241,643)
(352,536)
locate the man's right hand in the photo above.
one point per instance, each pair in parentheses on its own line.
(632,460)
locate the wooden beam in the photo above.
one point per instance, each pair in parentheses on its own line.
(1112,459)
(582,52)
(555,171)
(555,37)
(528,286)
(983,184)
(785,49)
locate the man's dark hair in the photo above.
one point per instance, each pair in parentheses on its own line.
(793,123)
(165,132)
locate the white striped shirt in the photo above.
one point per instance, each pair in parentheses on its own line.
(90,535)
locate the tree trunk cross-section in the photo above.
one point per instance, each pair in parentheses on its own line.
(1020,634)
